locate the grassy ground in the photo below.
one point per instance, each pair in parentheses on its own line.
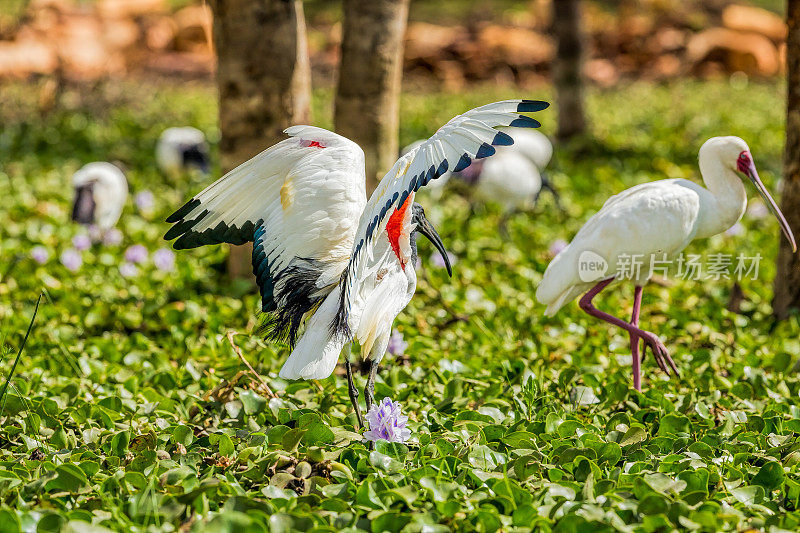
(129,411)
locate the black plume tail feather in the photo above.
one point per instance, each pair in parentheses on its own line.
(340,326)
(297,293)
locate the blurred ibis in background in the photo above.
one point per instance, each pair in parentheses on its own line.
(654,221)
(324,257)
(182,149)
(100,192)
(513,178)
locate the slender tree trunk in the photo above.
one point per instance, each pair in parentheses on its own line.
(787,279)
(568,68)
(264,82)
(368,91)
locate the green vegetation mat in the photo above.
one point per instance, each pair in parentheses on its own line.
(129,409)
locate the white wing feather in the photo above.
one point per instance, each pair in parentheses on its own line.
(469,136)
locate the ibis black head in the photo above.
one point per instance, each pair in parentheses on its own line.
(83,206)
(424,226)
(196,155)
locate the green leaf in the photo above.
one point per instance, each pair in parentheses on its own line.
(749,495)
(182,435)
(634,435)
(317,433)
(69,478)
(252,402)
(770,476)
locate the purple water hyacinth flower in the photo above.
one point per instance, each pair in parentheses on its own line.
(112,237)
(557,246)
(386,422)
(81,242)
(164,259)
(71,259)
(736,229)
(95,233)
(128,270)
(40,254)
(396,344)
(144,201)
(438,260)
(136,254)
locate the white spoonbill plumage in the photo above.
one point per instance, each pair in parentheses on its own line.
(325,257)
(100,192)
(654,222)
(181,149)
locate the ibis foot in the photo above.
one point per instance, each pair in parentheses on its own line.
(353,392)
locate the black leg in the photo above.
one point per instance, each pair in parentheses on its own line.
(546,184)
(353,391)
(369,390)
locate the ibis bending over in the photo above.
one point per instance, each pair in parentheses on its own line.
(182,149)
(324,257)
(653,221)
(100,192)
(514,178)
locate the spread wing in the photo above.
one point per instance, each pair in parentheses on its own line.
(453,147)
(299,200)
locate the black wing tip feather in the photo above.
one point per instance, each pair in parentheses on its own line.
(463,163)
(485,150)
(502,139)
(184,210)
(525,122)
(188,238)
(531,106)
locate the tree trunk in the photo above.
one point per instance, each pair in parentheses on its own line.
(787,279)
(568,68)
(264,83)
(368,91)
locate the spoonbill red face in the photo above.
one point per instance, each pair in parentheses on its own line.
(745,165)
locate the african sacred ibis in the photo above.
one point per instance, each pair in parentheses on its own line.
(654,221)
(515,177)
(323,255)
(181,149)
(100,192)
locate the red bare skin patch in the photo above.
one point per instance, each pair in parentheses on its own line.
(394,227)
(311,144)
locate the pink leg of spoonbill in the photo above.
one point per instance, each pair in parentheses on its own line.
(656,346)
(636,361)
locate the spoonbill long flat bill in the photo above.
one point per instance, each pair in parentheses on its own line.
(323,255)
(655,221)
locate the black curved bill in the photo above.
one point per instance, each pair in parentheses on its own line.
(83,206)
(426,228)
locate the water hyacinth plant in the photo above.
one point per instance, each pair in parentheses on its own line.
(164,259)
(71,259)
(81,242)
(136,254)
(396,344)
(386,422)
(128,270)
(144,201)
(40,254)
(112,237)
